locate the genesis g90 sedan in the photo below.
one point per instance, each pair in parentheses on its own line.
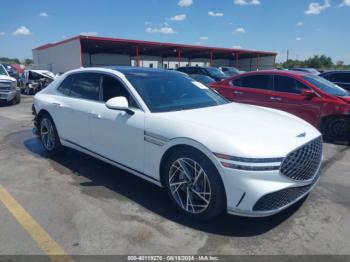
(210,155)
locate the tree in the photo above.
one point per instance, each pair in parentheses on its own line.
(6,60)
(28,61)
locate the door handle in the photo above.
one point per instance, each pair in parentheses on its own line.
(275,98)
(57,104)
(238,92)
(95,115)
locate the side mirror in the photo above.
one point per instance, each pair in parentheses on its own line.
(119,103)
(308,93)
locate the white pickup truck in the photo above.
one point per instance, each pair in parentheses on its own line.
(9,92)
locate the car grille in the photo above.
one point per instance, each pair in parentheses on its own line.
(282,198)
(5,86)
(303,163)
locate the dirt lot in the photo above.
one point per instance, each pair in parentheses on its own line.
(88,207)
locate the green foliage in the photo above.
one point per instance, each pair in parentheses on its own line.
(6,60)
(28,61)
(318,62)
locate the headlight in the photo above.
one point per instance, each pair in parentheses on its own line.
(13,85)
(249,164)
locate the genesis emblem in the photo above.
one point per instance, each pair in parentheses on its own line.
(302,135)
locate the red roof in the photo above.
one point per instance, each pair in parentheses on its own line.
(92,42)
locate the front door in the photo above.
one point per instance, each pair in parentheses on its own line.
(117,135)
(288,97)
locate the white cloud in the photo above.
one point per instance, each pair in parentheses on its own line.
(89,33)
(316,8)
(300,24)
(2,33)
(148,22)
(178,17)
(185,3)
(237,47)
(298,39)
(240,30)
(246,2)
(345,3)
(204,38)
(211,13)
(44,14)
(22,30)
(163,30)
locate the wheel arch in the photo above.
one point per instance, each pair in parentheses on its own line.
(185,143)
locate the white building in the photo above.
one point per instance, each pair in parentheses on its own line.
(90,51)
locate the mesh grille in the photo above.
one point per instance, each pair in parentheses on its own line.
(281,198)
(302,164)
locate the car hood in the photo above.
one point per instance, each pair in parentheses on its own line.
(4,78)
(238,129)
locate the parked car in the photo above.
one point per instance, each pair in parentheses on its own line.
(211,155)
(341,78)
(306,70)
(206,80)
(229,70)
(33,81)
(212,72)
(9,93)
(313,98)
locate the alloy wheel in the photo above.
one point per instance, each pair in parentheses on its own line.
(189,185)
(47,134)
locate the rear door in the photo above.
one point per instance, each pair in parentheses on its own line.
(80,93)
(288,97)
(253,89)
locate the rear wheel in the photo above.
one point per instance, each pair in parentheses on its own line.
(336,128)
(194,184)
(48,135)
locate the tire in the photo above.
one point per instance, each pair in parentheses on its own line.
(48,135)
(336,129)
(18,100)
(183,187)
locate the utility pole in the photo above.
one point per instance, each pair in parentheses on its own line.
(287,54)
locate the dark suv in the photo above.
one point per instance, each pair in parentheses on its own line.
(340,78)
(213,72)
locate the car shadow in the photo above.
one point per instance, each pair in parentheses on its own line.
(91,173)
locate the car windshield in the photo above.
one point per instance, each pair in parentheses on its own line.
(165,91)
(3,71)
(216,72)
(326,86)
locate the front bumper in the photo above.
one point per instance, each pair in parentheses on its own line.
(7,96)
(265,193)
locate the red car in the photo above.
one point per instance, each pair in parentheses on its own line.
(312,98)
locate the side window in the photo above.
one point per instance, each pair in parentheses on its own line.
(255,81)
(339,77)
(64,87)
(86,86)
(288,85)
(112,87)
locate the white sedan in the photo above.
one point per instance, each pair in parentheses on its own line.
(210,155)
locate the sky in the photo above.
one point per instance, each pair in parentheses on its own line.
(304,27)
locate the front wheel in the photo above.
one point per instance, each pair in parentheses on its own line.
(48,135)
(194,185)
(337,128)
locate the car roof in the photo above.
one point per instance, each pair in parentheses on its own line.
(274,72)
(130,70)
(336,71)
